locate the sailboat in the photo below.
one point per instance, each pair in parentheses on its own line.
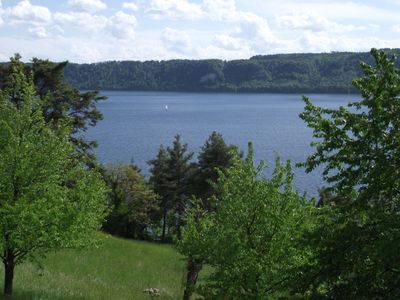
(166,107)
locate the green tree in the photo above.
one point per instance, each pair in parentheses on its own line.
(356,250)
(249,239)
(159,175)
(215,157)
(48,200)
(180,171)
(131,200)
(60,102)
(170,177)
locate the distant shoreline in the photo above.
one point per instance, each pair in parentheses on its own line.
(226,92)
(323,73)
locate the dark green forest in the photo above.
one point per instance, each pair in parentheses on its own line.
(305,73)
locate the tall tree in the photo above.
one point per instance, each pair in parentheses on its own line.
(48,200)
(61,102)
(159,174)
(170,176)
(215,157)
(356,247)
(180,171)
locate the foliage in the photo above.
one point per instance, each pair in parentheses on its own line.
(356,248)
(48,200)
(131,200)
(249,239)
(159,178)
(215,156)
(170,176)
(318,73)
(61,103)
(180,171)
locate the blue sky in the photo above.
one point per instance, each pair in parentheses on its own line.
(101,30)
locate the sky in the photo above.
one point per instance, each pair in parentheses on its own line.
(104,30)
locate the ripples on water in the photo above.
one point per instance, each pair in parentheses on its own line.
(136,123)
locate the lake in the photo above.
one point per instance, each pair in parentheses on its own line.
(136,124)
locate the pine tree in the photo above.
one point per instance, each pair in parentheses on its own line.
(159,181)
(180,171)
(215,156)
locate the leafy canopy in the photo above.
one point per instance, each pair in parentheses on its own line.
(48,199)
(249,239)
(356,250)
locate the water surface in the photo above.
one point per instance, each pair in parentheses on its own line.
(136,123)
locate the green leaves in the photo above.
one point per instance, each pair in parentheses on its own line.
(358,145)
(132,202)
(249,240)
(353,248)
(48,200)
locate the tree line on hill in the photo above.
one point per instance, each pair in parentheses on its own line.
(259,238)
(288,73)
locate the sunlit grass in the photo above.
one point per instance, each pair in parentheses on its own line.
(118,269)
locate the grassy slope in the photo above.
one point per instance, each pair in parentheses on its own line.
(118,269)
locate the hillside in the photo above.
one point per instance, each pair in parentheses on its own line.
(119,269)
(318,73)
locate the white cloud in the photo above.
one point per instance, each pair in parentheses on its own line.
(176,40)
(352,11)
(220,9)
(130,5)
(82,51)
(226,29)
(25,12)
(174,10)
(297,20)
(396,28)
(3,58)
(323,42)
(1,12)
(122,25)
(254,26)
(221,53)
(314,22)
(38,32)
(81,21)
(87,5)
(254,32)
(228,42)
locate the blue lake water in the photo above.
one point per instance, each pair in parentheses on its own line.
(136,123)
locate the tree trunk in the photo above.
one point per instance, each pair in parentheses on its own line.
(192,268)
(164,226)
(9,265)
(178,227)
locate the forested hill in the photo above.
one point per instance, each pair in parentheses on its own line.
(321,73)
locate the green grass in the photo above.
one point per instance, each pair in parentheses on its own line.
(118,269)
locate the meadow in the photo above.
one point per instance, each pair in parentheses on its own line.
(116,269)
